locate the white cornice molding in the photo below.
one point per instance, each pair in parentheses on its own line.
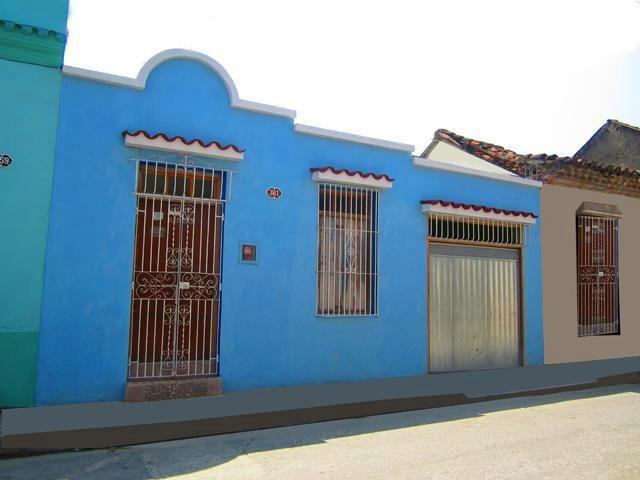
(426,163)
(140,81)
(461,212)
(353,138)
(117,80)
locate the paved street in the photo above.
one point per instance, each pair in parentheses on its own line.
(577,435)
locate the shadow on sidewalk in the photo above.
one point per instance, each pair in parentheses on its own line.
(181,457)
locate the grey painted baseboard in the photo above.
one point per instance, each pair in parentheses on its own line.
(104,424)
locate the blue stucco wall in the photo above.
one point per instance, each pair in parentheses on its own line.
(270,335)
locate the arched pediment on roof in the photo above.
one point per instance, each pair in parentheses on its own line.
(140,82)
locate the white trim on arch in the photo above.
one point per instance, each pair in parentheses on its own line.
(140,81)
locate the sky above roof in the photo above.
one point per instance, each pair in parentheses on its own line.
(537,76)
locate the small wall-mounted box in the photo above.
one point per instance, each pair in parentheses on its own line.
(248,252)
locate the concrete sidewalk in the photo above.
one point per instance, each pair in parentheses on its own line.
(108,424)
(588,434)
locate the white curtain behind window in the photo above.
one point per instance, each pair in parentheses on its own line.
(342,271)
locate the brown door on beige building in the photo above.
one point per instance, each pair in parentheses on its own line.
(597,260)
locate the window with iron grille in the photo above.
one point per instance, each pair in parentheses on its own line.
(446,228)
(598,290)
(347,273)
(158,178)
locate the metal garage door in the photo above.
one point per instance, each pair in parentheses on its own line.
(473,308)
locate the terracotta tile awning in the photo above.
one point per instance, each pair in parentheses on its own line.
(480,211)
(351,177)
(178,144)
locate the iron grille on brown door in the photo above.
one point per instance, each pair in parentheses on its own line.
(597,252)
(177,270)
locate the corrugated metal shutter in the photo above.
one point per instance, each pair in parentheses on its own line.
(473,308)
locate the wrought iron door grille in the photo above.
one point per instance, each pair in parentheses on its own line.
(598,289)
(177,270)
(476,231)
(347,262)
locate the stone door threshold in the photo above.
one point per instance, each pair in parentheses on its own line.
(172,389)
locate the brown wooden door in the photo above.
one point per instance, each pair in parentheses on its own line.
(176,287)
(199,287)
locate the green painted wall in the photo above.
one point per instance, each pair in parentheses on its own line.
(30,83)
(31,45)
(18,368)
(28,124)
(49,14)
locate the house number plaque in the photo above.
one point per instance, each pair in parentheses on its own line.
(5,160)
(274,192)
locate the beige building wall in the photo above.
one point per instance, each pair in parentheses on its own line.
(559,286)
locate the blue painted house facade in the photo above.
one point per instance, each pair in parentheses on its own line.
(32,42)
(329,246)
